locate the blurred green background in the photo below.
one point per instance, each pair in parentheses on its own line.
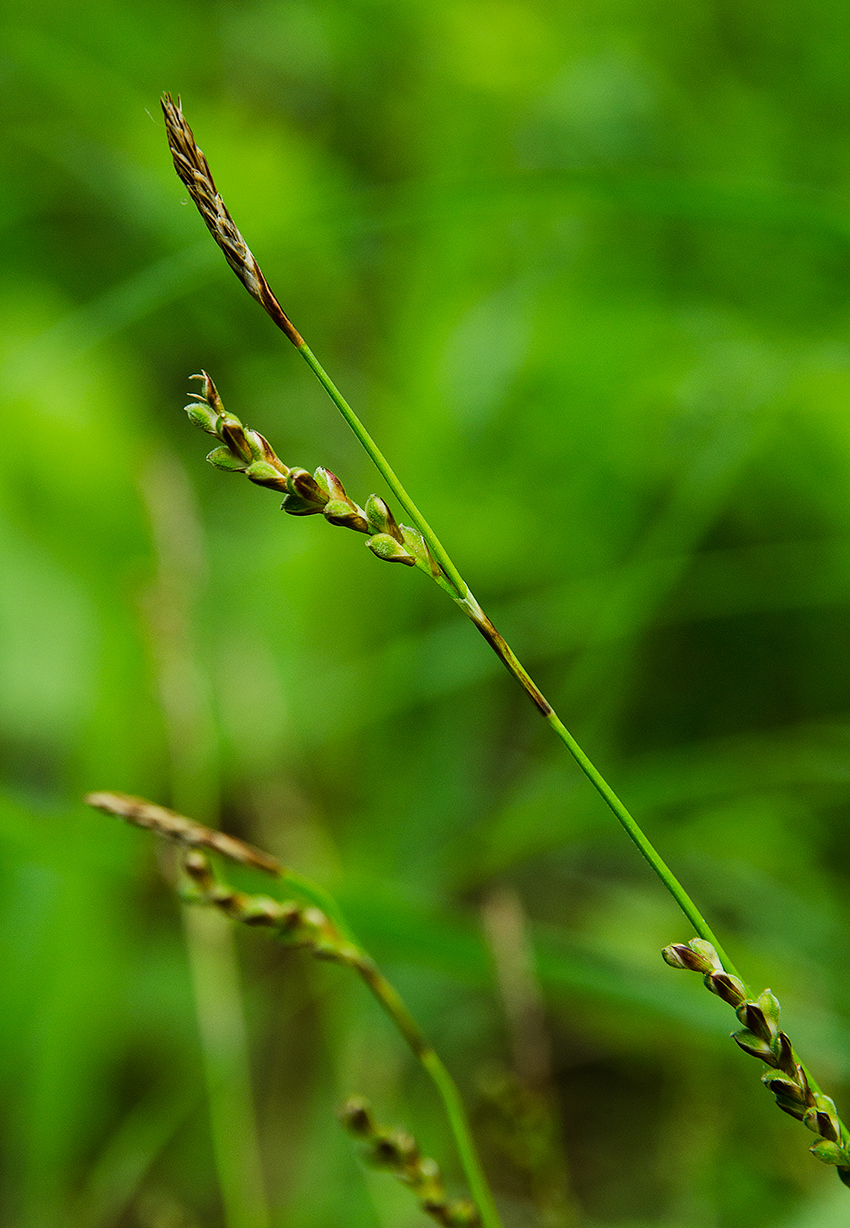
(585,271)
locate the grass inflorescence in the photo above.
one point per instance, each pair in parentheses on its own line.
(315,926)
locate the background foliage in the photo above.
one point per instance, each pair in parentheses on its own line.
(584,269)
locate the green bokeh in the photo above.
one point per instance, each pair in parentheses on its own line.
(585,271)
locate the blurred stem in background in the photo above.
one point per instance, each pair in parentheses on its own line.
(210,944)
(526,1099)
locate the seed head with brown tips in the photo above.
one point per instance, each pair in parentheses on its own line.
(194,172)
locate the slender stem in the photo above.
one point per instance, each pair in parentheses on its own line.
(194,172)
(472,609)
(383,466)
(636,834)
(392,1003)
(633,829)
(456,1113)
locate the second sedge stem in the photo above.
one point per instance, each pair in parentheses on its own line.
(429,1059)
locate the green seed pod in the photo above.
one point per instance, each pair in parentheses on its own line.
(696,956)
(784,1087)
(769,1005)
(224,458)
(462,1214)
(414,543)
(197,865)
(262,910)
(330,484)
(384,1154)
(394,1149)
(305,486)
(707,952)
(381,518)
(829,1153)
(259,446)
(752,1018)
(232,433)
(727,987)
(823,1119)
(345,513)
(356,1116)
(202,416)
(296,506)
(761,1016)
(265,474)
(784,1055)
(429,1170)
(755,1046)
(388,549)
(437,1206)
(677,955)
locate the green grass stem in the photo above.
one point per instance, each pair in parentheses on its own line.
(387,472)
(472,609)
(447,1089)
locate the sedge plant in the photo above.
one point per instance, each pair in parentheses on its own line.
(245,451)
(416,545)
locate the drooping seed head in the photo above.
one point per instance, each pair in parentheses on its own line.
(185,831)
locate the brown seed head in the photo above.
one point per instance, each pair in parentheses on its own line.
(195,174)
(185,831)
